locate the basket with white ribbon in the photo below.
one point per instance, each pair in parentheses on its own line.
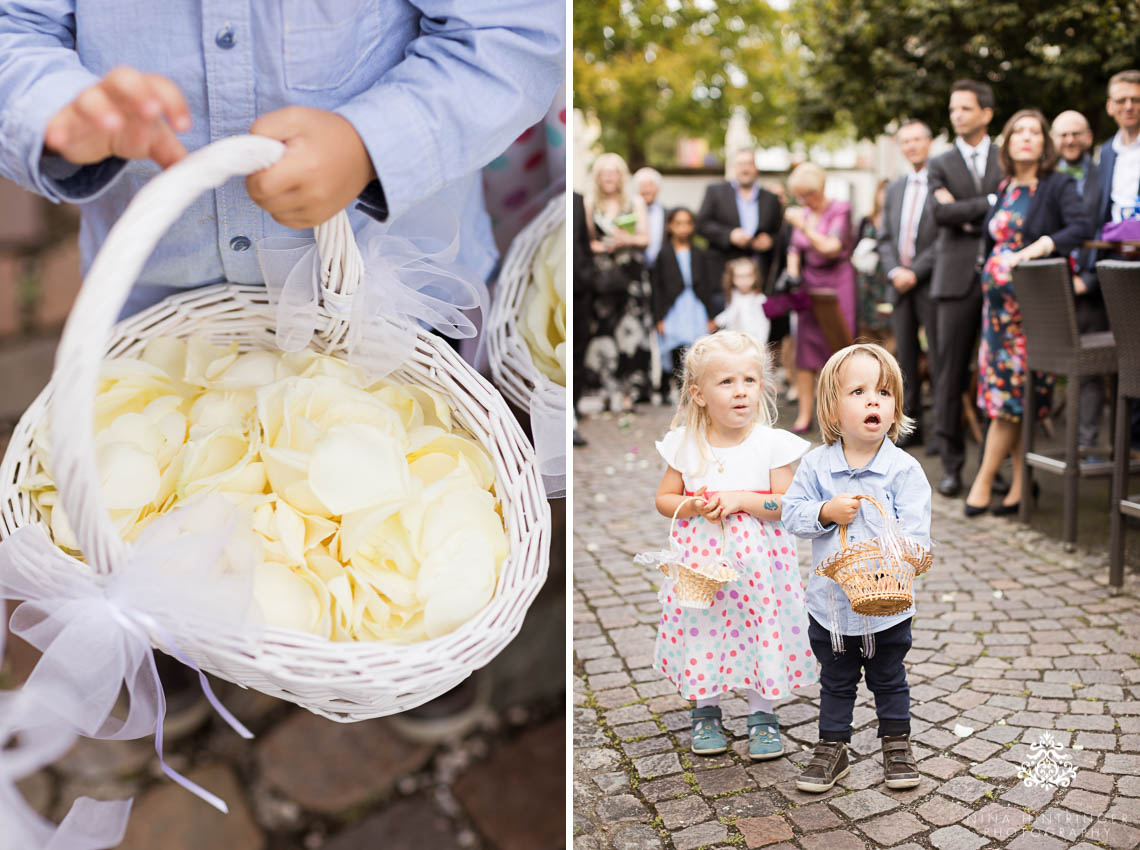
(201,623)
(512,361)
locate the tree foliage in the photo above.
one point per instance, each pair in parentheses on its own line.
(869,62)
(681,66)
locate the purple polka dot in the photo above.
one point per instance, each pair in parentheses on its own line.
(769,682)
(733,594)
(694,632)
(735,633)
(720,594)
(795,630)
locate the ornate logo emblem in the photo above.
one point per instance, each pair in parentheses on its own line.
(1047,764)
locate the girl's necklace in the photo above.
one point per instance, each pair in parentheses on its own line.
(718,460)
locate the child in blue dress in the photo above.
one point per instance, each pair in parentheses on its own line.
(860,389)
(723,450)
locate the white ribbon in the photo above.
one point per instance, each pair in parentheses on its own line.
(191,569)
(548,429)
(408,275)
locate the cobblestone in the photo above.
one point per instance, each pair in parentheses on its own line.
(1051,655)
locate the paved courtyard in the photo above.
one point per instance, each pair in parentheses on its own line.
(1014,639)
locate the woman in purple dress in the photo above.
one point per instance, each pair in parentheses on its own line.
(820,255)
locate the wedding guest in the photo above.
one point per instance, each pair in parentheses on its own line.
(820,254)
(1038,213)
(618,358)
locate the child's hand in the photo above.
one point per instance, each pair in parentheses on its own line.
(722,504)
(128,114)
(324,168)
(841,509)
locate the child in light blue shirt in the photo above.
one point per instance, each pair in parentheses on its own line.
(382,104)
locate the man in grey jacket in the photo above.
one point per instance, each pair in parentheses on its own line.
(906,249)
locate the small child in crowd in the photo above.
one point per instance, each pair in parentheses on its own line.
(744,295)
(722,450)
(860,392)
(683,293)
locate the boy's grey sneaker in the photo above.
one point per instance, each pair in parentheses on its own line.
(764,736)
(708,732)
(900,770)
(827,766)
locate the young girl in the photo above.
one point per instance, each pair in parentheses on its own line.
(683,293)
(860,388)
(744,294)
(723,449)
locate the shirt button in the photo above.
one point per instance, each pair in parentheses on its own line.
(225,38)
(240,243)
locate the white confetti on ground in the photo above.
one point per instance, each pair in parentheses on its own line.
(962,731)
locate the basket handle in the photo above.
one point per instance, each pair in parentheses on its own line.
(677,510)
(116,267)
(843,528)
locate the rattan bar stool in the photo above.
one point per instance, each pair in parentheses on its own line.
(1120,283)
(1044,290)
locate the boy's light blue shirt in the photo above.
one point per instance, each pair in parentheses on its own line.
(899,484)
(435,88)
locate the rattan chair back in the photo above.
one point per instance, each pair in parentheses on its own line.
(1120,284)
(1044,290)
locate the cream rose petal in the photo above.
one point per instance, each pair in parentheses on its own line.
(286,599)
(129,476)
(357,467)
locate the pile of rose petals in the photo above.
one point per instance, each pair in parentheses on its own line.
(542,316)
(376,514)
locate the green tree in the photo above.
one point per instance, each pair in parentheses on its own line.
(681,67)
(869,62)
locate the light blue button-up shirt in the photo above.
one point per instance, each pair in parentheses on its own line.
(894,478)
(747,208)
(435,88)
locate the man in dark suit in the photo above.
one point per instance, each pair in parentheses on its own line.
(739,218)
(1119,184)
(964,182)
(906,250)
(1073,137)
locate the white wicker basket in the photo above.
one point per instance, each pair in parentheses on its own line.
(343,681)
(511,364)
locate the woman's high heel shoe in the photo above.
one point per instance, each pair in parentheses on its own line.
(1010,510)
(971,511)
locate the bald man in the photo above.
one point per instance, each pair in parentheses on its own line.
(1073,137)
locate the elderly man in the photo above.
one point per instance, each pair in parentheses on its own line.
(739,218)
(1073,137)
(906,249)
(648,183)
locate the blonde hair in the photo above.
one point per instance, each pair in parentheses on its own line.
(696,418)
(608,160)
(890,378)
(730,269)
(807,177)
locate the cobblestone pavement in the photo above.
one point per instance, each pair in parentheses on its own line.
(1013,638)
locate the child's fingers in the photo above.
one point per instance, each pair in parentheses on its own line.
(132,93)
(96,108)
(166,149)
(173,102)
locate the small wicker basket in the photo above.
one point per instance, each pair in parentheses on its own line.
(876,583)
(696,585)
(510,360)
(346,681)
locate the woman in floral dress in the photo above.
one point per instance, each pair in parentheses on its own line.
(1038,213)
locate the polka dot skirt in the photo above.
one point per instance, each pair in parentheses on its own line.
(755,634)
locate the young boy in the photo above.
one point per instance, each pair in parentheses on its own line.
(860,391)
(381,103)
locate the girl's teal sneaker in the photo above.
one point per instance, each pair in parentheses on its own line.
(764,736)
(708,733)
